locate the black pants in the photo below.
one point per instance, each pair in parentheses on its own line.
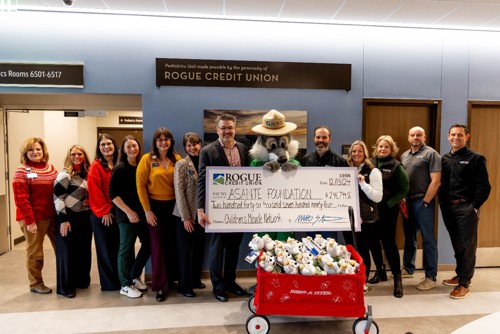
(223,255)
(73,253)
(363,242)
(461,222)
(107,242)
(385,232)
(191,249)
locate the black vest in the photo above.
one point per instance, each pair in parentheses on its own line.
(387,167)
(368,208)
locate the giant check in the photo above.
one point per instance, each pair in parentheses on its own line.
(252,199)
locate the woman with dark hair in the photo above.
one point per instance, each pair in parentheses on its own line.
(155,186)
(106,233)
(74,231)
(396,186)
(131,219)
(33,186)
(190,234)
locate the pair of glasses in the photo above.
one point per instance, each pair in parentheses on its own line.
(229,128)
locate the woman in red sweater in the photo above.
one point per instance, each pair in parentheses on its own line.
(106,233)
(32,185)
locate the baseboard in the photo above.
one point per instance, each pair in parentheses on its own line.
(19,240)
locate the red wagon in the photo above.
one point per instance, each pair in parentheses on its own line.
(331,295)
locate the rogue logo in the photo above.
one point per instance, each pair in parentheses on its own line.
(218,179)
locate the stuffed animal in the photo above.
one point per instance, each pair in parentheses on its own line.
(333,248)
(269,243)
(332,268)
(256,244)
(268,263)
(291,267)
(275,147)
(293,246)
(320,241)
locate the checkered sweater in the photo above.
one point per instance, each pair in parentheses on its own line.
(70,193)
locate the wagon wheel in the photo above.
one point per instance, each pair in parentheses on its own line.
(258,324)
(360,324)
(251,304)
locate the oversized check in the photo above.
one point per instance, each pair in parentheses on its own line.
(252,199)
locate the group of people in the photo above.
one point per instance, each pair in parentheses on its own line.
(459,180)
(159,198)
(120,197)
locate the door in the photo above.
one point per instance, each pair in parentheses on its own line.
(4,190)
(395,118)
(484,126)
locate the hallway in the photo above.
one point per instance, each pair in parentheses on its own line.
(93,311)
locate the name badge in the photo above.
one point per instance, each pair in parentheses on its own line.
(32,175)
(155,164)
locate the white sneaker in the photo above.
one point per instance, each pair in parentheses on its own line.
(139,284)
(426,284)
(130,292)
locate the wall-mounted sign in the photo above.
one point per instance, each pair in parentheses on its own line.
(41,75)
(129,120)
(255,74)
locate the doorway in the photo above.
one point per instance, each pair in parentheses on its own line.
(484,126)
(395,118)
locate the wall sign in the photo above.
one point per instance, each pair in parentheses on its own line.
(129,120)
(41,75)
(255,74)
(252,199)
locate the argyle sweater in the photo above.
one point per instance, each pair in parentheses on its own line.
(70,193)
(33,186)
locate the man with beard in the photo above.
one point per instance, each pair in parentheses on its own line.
(321,157)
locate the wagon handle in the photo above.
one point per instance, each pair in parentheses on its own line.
(351,220)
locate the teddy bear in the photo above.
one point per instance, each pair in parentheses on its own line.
(256,244)
(291,267)
(293,246)
(268,263)
(275,147)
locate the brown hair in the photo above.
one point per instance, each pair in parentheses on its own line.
(170,153)
(68,165)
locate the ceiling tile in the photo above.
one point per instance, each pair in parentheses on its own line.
(142,5)
(204,7)
(422,12)
(315,9)
(262,8)
(472,15)
(367,10)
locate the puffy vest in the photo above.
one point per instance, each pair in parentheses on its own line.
(387,168)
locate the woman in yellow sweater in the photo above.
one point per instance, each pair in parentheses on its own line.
(155,186)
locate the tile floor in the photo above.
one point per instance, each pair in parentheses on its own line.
(93,311)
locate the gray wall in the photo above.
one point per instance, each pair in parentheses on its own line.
(119,55)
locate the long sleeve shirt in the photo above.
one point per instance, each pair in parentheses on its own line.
(33,186)
(123,184)
(70,193)
(98,185)
(464,176)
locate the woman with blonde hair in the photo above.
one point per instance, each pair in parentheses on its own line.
(370,186)
(74,231)
(32,186)
(396,186)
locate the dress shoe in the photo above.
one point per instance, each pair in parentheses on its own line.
(398,286)
(199,286)
(380,275)
(459,292)
(220,295)
(188,293)
(234,288)
(69,295)
(41,289)
(161,296)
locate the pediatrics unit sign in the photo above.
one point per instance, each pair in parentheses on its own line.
(250,199)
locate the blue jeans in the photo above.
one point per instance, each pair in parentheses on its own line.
(420,218)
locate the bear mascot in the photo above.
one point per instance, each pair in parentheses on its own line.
(275,148)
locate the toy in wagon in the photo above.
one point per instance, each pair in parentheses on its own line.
(311,277)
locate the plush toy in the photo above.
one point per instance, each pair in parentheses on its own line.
(256,244)
(291,267)
(293,246)
(269,243)
(333,248)
(282,255)
(320,241)
(268,263)
(332,268)
(275,147)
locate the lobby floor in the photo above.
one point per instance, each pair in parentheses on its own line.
(93,311)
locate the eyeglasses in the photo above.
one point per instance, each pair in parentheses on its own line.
(228,128)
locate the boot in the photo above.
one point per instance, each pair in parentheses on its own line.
(398,286)
(380,275)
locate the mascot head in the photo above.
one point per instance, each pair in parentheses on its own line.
(275,147)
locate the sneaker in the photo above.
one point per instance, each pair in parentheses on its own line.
(130,292)
(451,282)
(365,288)
(139,284)
(459,292)
(426,284)
(405,273)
